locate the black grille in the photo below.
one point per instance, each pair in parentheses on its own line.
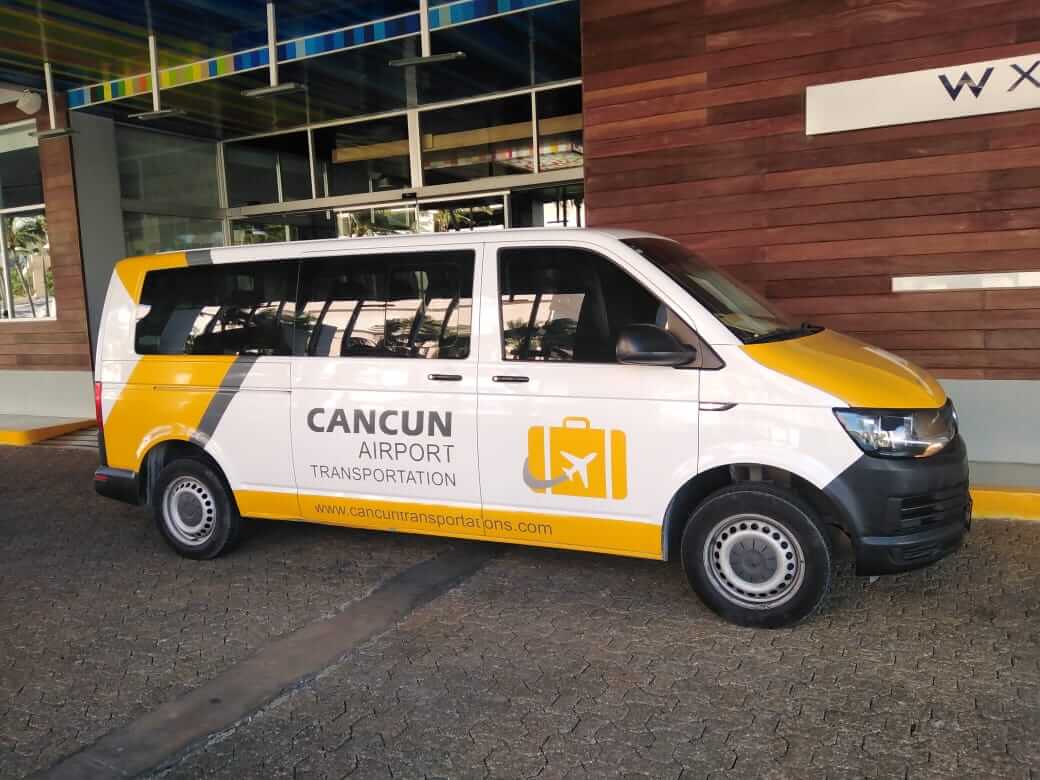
(918,513)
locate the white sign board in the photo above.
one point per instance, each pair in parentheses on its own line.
(925,95)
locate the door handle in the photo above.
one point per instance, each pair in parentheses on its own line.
(510,378)
(445,377)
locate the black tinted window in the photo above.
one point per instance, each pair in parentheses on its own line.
(233,309)
(571,305)
(416,305)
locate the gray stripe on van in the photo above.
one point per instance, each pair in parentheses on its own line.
(232,383)
(199,257)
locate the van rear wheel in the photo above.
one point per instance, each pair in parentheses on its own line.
(195,510)
(758,556)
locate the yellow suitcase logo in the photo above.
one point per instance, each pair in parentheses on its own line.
(575,459)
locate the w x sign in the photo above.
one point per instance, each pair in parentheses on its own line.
(924,96)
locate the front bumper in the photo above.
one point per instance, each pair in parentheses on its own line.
(904,513)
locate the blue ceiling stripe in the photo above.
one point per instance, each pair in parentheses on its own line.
(461,12)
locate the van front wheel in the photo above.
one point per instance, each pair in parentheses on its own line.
(757,555)
(194,509)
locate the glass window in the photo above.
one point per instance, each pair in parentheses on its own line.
(486,213)
(416,305)
(504,52)
(233,309)
(268,170)
(363,157)
(749,316)
(20,181)
(26,278)
(491,138)
(161,168)
(559,128)
(377,221)
(353,82)
(556,206)
(570,305)
(147,234)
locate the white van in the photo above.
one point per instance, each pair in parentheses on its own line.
(598,390)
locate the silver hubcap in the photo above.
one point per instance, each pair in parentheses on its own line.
(189,511)
(753,561)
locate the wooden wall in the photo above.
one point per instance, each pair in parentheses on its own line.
(63,343)
(694,128)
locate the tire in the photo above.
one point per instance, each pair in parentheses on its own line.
(194,509)
(758,556)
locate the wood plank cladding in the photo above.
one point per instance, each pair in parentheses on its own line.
(695,129)
(62,343)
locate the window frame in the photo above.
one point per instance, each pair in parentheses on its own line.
(12,212)
(706,358)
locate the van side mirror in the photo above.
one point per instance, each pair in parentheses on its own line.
(649,345)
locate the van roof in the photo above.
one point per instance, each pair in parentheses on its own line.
(318,245)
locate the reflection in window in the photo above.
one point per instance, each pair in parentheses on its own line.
(268,170)
(417,305)
(363,157)
(556,206)
(234,309)
(377,221)
(150,233)
(570,305)
(560,128)
(26,278)
(491,138)
(298,226)
(487,213)
(162,168)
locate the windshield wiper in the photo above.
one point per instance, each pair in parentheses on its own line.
(805,329)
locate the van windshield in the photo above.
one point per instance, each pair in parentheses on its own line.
(748,316)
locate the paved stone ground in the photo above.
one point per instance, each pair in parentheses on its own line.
(100,621)
(551,665)
(543,664)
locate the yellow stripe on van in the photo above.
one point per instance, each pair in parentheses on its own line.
(588,534)
(132,270)
(859,374)
(164,399)
(268,505)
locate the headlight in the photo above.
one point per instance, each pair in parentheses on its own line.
(900,433)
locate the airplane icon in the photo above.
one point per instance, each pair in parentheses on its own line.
(579,465)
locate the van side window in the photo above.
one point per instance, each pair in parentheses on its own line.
(570,305)
(227,309)
(416,304)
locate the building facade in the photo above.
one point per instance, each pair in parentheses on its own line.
(909,218)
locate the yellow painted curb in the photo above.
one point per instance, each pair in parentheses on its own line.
(1017,503)
(34,435)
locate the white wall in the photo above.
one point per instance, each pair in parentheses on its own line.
(98,201)
(47,393)
(1000,419)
